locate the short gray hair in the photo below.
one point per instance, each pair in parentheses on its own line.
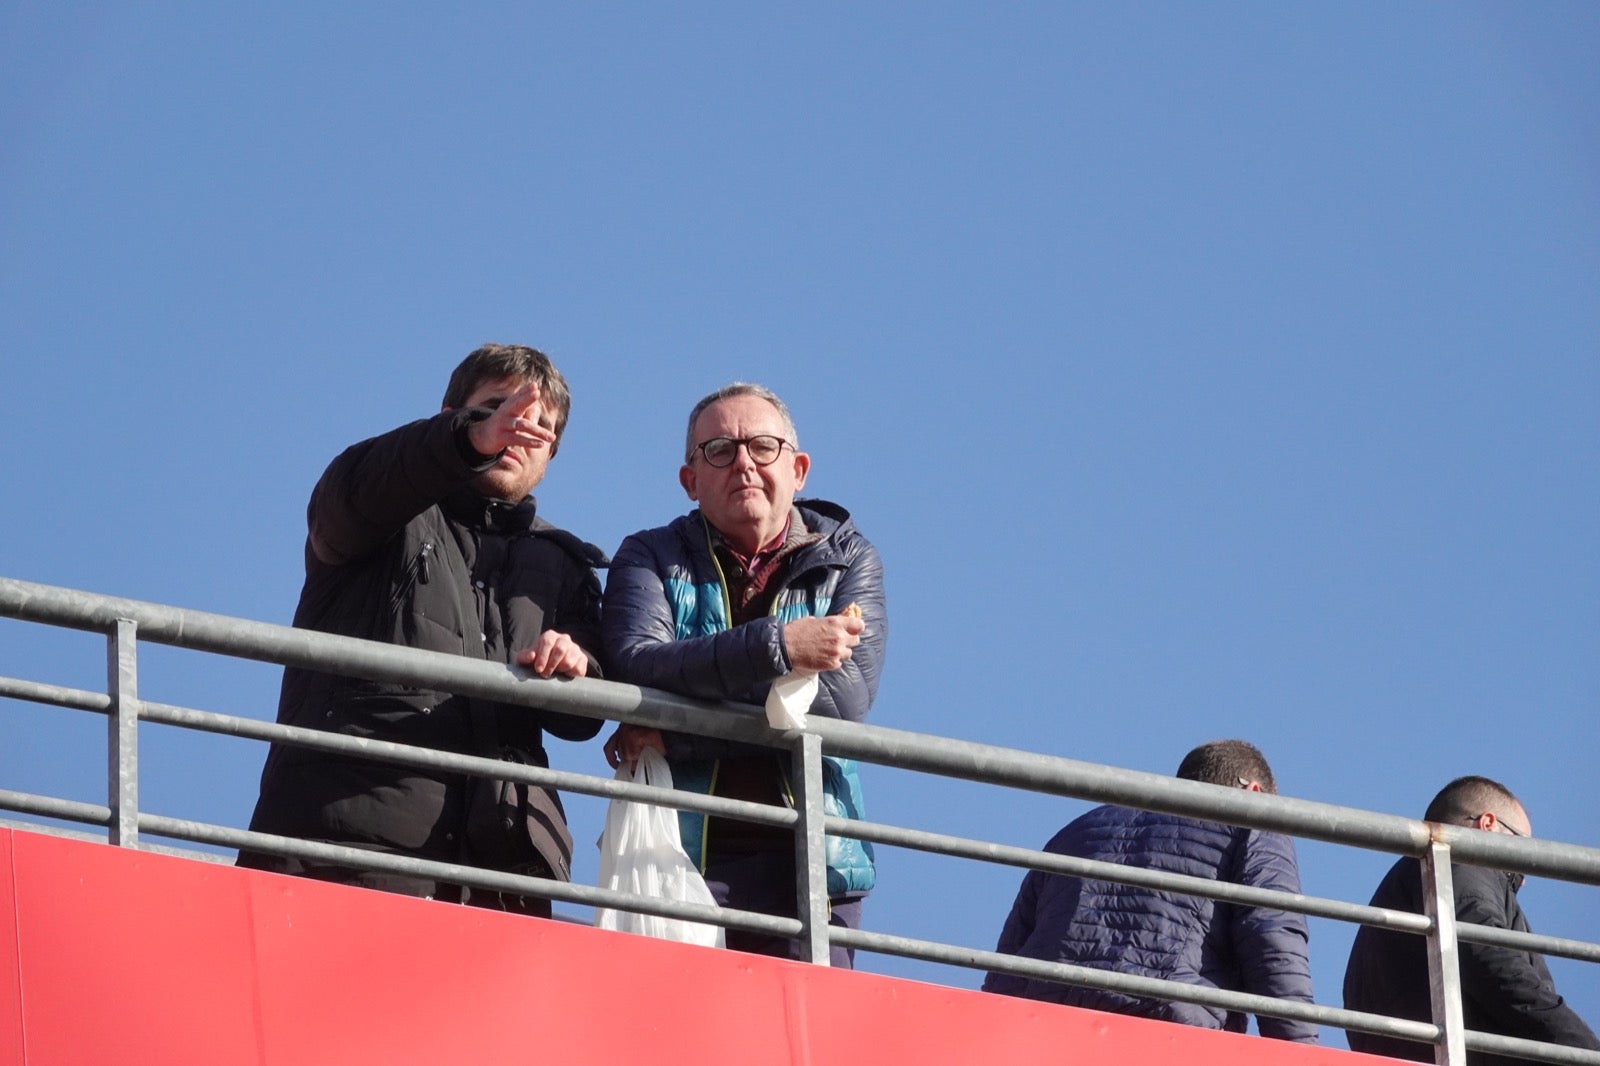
(728,392)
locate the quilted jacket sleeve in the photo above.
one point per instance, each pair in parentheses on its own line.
(1014,934)
(848,692)
(1271,945)
(638,635)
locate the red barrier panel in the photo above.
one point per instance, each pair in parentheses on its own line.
(116,956)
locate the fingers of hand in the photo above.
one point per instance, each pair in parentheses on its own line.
(524,399)
(528,432)
(559,653)
(516,420)
(846,633)
(573,662)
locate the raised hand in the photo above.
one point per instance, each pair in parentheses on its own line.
(516,422)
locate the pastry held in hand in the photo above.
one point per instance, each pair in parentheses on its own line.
(790,698)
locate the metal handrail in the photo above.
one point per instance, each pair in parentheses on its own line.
(127,622)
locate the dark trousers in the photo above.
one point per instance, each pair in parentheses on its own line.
(765,883)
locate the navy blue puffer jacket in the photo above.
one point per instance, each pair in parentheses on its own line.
(666,625)
(1166,935)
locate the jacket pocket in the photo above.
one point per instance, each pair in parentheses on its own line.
(389,712)
(418,571)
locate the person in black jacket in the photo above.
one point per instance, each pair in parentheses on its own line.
(427,537)
(1163,934)
(1505,991)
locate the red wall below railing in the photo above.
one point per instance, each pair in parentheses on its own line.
(110,956)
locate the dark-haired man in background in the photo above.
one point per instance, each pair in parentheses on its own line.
(1168,935)
(1505,991)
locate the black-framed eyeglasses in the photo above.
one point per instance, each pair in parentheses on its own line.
(722,451)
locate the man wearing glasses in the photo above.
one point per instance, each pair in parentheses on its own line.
(749,587)
(1505,991)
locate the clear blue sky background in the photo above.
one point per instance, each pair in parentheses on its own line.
(1200,369)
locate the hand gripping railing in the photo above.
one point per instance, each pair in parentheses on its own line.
(125,622)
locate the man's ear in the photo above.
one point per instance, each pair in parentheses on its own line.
(687,479)
(802,467)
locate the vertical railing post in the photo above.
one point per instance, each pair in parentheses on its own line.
(1444,971)
(122,733)
(811,847)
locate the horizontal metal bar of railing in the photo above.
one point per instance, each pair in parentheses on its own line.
(452,873)
(1149,987)
(1314,906)
(1517,1048)
(1313,820)
(214,857)
(471,876)
(1421,1032)
(406,755)
(1049,862)
(56,695)
(51,807)
(1538,943)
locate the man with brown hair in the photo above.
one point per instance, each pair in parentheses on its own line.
(427,537)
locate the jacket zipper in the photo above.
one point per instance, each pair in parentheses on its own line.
(417,572)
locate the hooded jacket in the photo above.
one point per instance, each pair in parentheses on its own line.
(666,626)
(402,550)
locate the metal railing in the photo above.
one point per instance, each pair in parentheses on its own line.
(125,623)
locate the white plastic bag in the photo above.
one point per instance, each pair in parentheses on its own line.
(642,853)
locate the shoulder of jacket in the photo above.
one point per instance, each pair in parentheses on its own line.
(1480,880)
(681,535)
(580,550)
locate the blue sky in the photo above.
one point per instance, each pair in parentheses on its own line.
(1199,370)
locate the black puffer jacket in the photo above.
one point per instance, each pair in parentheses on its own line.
(1503,990)
(419,560)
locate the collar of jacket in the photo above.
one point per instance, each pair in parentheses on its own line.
(493,516)
(825,520)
